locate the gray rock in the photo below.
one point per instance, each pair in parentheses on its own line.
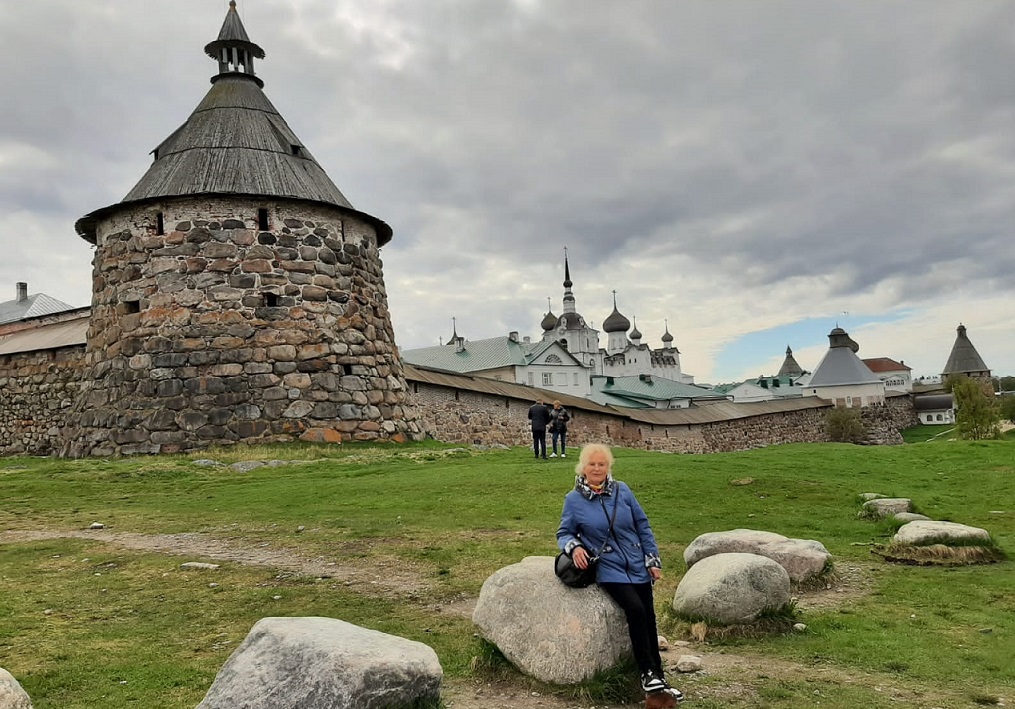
(96,525)
(688,663)
(12,696)
(924,533)
(551,632)
(867,496)
(198,566)
(803,559)
(324,663)
(730,589)
(911,517)
(886,507)
(245,466)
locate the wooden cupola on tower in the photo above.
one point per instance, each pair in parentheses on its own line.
(238,296)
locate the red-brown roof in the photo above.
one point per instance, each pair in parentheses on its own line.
(885,364)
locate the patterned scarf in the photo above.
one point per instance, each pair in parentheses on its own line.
(588,492)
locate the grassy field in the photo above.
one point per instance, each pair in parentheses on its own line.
(86,624)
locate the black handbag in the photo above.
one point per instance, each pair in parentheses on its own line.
(565,568)
(571,575)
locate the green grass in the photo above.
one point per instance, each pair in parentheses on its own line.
(130,629)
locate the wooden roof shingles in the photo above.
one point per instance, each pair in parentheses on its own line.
(234,143)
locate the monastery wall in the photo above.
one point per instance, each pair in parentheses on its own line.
(37,390)
(469,417)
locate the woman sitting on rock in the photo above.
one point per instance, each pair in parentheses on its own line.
(629,563)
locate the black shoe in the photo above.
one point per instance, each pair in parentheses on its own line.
(652,682)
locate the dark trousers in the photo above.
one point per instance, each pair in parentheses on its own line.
(539,442)
(635,599)
(562,435)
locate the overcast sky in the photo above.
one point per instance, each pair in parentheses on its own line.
(754,172)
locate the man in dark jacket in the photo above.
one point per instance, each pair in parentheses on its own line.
(539,416)
(558,428)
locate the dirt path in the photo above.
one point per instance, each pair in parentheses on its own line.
(730,679)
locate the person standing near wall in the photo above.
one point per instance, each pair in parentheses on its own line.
(558,428)
(539,417)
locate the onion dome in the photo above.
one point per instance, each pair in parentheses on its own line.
(667,337)
(549,321)
(635,333)
(616,322)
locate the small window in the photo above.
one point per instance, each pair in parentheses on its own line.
(131,306)
(531,379)
(576,378)
(262,219)
(160,224)
(547,379)
(347,369)
(939,417)
(296,150)
(271,300)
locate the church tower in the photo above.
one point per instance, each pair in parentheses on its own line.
(237,294)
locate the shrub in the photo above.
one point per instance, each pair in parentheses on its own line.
(845,426)
(977,414)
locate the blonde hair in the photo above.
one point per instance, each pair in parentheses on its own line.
(587,452)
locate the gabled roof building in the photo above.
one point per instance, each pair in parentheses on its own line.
(545,364)
(25,306)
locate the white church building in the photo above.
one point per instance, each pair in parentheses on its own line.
(566,358)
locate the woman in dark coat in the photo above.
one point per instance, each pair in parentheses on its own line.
(629,563)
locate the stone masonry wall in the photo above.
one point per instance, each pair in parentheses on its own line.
(37,390)
(460,416)
(217,331)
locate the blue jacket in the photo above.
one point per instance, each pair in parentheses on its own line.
(628,556)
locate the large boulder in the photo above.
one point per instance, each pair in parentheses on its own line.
(732,589)
(551,632)
(12,696)
(803,559)
(324,663)
(924,533)
(885,507)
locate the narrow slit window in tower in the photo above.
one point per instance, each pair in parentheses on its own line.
(160,224)
(262,219)
(347,369)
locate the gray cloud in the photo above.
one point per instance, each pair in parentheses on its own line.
(687,153)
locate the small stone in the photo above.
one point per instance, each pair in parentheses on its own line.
(664,644)
(276,598)
(198,566)
(300,529)
(799,627)
(213,585)
(49,611)
(96,525)
(688,663)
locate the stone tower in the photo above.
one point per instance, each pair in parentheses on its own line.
(237,294)
(965,361)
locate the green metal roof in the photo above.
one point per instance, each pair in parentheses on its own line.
(481,355)
(651,388)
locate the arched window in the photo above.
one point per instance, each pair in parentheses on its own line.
(553,359)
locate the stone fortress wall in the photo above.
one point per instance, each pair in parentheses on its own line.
(459,415)
(37,388)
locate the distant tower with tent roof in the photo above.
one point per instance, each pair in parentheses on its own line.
(237,294)
(965,361)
